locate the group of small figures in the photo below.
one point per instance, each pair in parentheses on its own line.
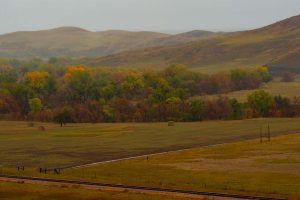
(56,170)
(42,170)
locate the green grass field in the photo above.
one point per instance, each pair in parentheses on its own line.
(19,191)
(85,143)
(249,167)
(286,89)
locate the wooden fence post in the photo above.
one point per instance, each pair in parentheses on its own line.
(269,133)
(261,135)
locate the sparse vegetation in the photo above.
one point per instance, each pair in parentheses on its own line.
(19,191)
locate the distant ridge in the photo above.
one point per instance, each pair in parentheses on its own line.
(69,29)
(78,42)
(282,26)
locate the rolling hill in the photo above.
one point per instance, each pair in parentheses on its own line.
(276,45)
(77,42)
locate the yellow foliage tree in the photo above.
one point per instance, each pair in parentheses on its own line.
(263,73)
(262,69)
(72,70)
(36,80)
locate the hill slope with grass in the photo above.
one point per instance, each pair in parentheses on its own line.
(77,42)
(276,45)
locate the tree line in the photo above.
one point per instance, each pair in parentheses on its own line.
(47,91)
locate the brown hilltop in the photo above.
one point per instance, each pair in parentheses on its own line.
(77,42)
(241,49)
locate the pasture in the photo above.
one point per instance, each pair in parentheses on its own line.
(249,167)
(19,191)
(285,89)
(85,143)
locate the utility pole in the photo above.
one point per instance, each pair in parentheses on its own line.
(269,133)
(261,136)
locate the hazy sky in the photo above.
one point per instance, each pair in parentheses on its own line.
(151,15)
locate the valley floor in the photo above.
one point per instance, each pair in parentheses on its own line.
(22,191)
(75,144)
(250,167)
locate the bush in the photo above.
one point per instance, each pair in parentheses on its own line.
(287,77)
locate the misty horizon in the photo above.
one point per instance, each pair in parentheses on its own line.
(166,16)
(174,32)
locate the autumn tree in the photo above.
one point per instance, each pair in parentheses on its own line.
(132,86)
(287,77)
(8,75)
(197,109)
(216,83)
(175,75)
(7,104)
(237,109)
(161,90)
(22,94)
(173,107)
(263,73)
(108,113)
(261,102)
(80,86)
(35,105)
(39,82)
(71,70)
(64,115)
(238,77)
(219,108)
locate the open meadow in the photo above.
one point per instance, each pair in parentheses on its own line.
(85,143)
(249,167)
(20,191)
(275,88)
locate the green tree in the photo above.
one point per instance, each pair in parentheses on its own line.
(132,86)
(261,102)
(281,102)
(178,75)
(8,76)
(108,91)
(109,113)
(162,91)
(37,81)
(80,85)
(182,93)
(64,115)
(51,85)
(21,93)
(35,105)
(237,76)
(263,73)
(197,109)
(237,109)
(173,105)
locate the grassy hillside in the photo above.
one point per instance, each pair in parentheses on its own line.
(76,42)
(86,143)
(285,89)
(276,45)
